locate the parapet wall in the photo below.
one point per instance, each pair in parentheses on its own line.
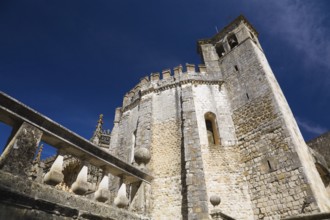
(165,80)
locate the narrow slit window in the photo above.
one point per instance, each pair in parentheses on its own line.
(211,129)
(247,96)
(232,41)
(236,68)
(269,165)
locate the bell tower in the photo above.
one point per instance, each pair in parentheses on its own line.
(214,49)
(276,162)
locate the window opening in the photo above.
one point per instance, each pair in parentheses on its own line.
(269,166)
(232,41)
(210,134)
(211,129)
(220,50)
(236,68)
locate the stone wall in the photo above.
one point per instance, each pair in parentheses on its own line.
(196,194)
(223,173)
(267,134)
(165,164)
(278,186)
(261,165)
(294,136)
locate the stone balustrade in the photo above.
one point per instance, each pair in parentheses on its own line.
(18,158)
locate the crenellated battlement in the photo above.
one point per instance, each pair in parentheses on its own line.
(166,79)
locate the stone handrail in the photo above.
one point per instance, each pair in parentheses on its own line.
(15,113)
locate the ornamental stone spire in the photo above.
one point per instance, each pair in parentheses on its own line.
(98,131)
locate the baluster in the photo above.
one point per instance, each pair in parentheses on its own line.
(102,194)
(81,186)
(121,201)
(55,175)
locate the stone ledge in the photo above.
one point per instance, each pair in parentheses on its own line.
(31,197)
(318,216)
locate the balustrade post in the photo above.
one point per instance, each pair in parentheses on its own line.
(55,175)
(121,201)
(19,153)
(81,186)
(102,194)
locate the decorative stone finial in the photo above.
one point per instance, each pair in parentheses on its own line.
(142,155)
(98,130)
(215,200)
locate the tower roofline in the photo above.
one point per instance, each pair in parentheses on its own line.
(224,31)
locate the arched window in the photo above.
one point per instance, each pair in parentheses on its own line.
(232,41)
(220,50)
(212,129)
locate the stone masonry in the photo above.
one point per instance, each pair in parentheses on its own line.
(223,131)
(259,164)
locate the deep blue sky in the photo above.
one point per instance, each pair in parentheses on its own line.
(72,60)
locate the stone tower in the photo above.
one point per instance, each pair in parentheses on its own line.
(224,130)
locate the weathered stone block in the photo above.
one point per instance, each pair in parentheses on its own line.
(18,155)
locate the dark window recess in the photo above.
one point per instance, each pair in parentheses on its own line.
(236,68)
(210,133)
(209,125)
(220,50)
(269,165)
(212,129)
(232,41)
(247,96)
